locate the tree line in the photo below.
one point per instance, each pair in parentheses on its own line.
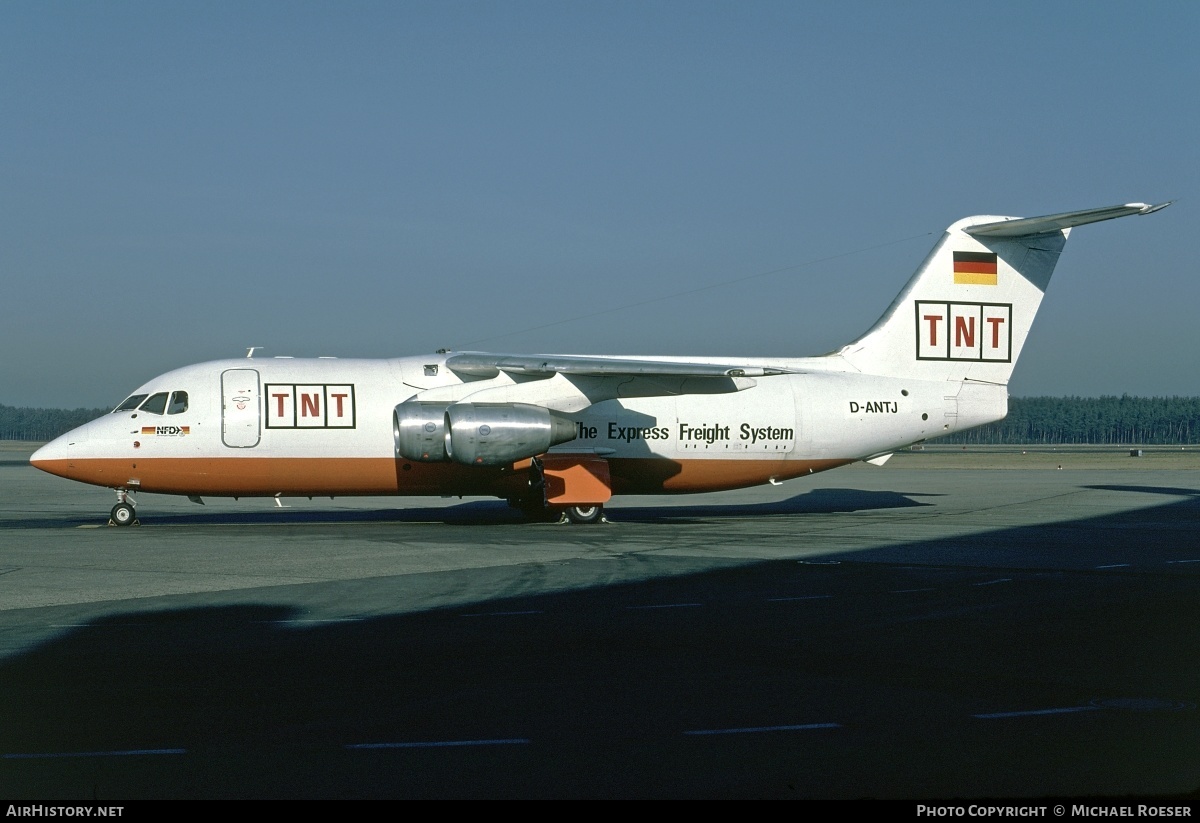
(42,424)
(1148,421)
(1151,421)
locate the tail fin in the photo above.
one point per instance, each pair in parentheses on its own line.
(966,313)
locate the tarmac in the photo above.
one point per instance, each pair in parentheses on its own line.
(974,625)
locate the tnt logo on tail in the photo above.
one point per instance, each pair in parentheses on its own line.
(964,331)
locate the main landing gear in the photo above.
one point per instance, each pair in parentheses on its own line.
(533,503)
(539,512)
(585,514)
(124,513)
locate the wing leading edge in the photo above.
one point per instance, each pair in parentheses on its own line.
(485,365)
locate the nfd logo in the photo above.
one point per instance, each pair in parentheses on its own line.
(307,406)
(964,331)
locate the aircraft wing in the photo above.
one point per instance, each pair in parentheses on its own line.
(484,364)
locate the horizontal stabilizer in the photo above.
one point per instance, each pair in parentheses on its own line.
(1023,226)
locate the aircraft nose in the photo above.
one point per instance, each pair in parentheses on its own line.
(54,450)
(50,457)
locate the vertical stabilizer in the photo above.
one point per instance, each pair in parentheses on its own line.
(967,311)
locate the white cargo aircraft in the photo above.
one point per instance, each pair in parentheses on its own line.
(561,434)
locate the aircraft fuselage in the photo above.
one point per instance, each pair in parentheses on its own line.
(282,426)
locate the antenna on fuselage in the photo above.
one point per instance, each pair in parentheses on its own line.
(250,351)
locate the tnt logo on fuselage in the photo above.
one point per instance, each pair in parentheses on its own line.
(964,331)
(306,406)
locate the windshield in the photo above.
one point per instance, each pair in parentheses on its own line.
(131,402)
(157,404)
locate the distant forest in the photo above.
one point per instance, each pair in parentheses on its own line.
(42,424)
(1148,421)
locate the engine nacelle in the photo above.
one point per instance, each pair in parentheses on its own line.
(494,434)
(420,430)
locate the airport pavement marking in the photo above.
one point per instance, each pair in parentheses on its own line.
(433,744)
(759,729)
(1035,712)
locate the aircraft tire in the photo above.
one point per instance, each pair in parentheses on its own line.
(585,514)
(122,514)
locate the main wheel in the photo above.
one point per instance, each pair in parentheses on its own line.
(585,514)
(122,514)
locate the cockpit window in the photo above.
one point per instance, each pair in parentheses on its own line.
(131,402)
(157,403)
(178,403)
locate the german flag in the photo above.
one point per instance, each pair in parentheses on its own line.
(975,268)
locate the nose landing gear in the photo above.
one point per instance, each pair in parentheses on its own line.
(124,513)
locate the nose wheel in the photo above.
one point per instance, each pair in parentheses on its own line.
(123,514)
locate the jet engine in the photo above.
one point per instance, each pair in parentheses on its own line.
(420,430)
(478,434)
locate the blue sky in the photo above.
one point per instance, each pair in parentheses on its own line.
(179,181)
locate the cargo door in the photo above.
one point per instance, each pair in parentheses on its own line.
(240,424)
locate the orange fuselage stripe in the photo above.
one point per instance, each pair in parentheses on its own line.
(349,476)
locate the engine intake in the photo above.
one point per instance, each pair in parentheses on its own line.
(493,434)
(477,434)
(420,430)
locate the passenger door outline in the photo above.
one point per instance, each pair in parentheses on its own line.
(240,408)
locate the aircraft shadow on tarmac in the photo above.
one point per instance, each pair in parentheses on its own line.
(1172,490)
(496,512)
(862,678)
(816,501)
